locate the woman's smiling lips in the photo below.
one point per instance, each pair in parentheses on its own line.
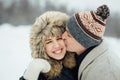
(58,51)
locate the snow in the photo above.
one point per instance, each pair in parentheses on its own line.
(15,50)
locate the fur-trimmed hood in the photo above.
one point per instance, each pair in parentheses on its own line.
(51,23)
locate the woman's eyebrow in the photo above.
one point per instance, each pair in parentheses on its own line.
(48,40)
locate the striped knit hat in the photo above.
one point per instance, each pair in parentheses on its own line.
(88,27)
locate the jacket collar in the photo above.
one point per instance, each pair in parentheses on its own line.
(92,55)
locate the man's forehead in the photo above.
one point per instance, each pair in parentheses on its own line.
(67,30)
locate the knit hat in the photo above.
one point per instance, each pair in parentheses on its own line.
(88,27)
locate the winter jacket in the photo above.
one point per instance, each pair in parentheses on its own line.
(66,74)
(100,63)
(60,70)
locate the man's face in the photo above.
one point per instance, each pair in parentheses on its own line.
(71,44)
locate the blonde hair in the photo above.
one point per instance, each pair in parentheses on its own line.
(49,24)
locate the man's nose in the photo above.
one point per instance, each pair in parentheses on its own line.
(63,36)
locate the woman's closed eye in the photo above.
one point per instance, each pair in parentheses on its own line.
(59,38)
(49,41)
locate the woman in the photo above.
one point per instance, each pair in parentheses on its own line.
(47,43)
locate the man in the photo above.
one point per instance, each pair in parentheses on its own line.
(84,36)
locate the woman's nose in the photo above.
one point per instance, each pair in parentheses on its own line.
(56,44)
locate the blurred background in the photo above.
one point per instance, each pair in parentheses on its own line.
(17,17)
(24,12)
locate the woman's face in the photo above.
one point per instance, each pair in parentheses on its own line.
(55,47)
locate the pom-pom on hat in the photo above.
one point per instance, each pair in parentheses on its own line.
(88,27)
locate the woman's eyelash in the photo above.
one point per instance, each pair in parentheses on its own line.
(48,42)
(59,38)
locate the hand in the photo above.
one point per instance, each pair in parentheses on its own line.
(35,68)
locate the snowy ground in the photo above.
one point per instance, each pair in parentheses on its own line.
(15,51)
